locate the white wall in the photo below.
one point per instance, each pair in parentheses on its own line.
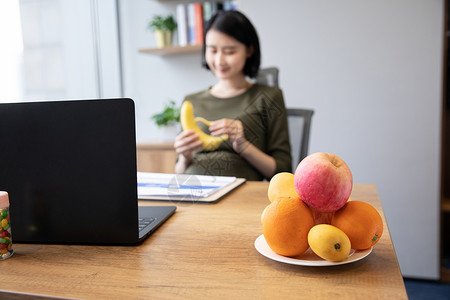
(371,70)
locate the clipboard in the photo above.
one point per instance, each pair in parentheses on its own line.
(185,188)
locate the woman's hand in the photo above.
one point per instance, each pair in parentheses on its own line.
(261,161)
(186,143)
(235,131)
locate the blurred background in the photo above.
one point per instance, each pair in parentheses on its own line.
(373,71)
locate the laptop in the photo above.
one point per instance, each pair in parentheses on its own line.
(70,170)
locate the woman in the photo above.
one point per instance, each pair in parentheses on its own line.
(252,115)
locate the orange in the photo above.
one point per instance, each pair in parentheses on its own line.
(282,185)
(361,222)
(286,223)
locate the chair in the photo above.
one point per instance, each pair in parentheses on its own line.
(298,119)
(268,76)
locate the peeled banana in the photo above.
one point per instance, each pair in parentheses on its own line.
(187,120)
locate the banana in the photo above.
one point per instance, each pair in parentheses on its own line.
(187,120)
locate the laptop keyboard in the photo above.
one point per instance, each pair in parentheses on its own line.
(144,222)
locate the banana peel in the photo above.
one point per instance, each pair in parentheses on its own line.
(188,122)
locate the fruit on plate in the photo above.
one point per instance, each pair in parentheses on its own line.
(282,185)
(329,242)
(323,181)
(286,223)
(361,222)
(188,122)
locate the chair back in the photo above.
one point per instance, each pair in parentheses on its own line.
(268,76)
(299,120)
(299,123)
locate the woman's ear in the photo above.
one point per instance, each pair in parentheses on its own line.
(250,50)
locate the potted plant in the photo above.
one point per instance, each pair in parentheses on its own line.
(169,116)
(168,120)
(163,26)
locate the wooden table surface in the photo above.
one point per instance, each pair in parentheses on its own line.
(203,251)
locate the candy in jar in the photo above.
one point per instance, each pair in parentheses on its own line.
(6,249)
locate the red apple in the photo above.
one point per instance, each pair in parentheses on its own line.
(323,181)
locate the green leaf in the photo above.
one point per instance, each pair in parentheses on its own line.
(170,115)
(165,23)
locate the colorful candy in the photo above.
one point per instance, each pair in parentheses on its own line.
(5,228)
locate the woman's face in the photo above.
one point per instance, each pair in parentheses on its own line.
(225,55)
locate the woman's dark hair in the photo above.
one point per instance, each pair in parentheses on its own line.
(236,25)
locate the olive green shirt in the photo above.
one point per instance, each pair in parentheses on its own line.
(262,112)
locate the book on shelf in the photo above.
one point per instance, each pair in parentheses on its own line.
(191,23)
(216,7)
(182,25)
(192,18)
(198,11)
(207,11)
(230,5)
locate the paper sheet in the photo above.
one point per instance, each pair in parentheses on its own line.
(180,185)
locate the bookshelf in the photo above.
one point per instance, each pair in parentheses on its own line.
(173,50)
(193,15)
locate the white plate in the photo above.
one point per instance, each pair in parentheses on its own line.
(308,258)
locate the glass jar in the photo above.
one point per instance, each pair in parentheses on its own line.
(6,249)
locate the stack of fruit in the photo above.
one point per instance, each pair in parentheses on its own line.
(312,209)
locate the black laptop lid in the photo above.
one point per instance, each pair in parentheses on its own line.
(70,170)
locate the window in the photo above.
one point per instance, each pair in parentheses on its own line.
(11,52)
(55,50)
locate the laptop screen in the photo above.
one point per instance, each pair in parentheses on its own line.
(70,170)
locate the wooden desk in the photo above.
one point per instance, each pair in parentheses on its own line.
(202,252)
(156,157)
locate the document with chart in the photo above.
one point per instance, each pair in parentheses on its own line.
(184,187)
